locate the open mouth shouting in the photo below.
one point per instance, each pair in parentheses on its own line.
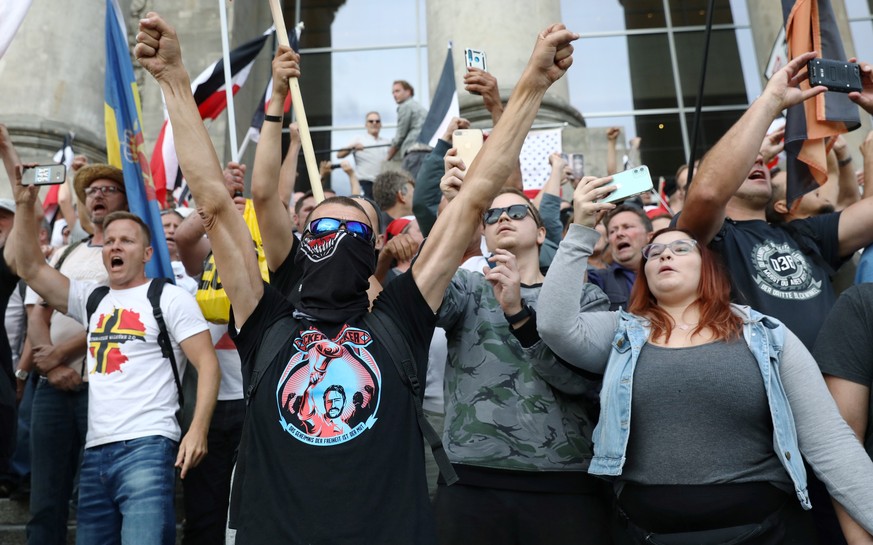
(116,262)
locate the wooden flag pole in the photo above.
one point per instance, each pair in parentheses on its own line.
(299,111)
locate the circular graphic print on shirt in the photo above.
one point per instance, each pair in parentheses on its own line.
(784,272)
(329,391)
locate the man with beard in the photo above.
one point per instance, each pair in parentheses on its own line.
(782,270)
(283,471)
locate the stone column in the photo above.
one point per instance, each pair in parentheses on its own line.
(506,31)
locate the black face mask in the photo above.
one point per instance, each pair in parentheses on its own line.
(335,276)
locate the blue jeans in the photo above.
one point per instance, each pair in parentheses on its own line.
(59,421)
(126,493)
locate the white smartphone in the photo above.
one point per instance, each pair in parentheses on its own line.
(44,175)
(629,183)
(468,142)
(475,58)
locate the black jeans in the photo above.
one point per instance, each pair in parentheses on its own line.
(207,486)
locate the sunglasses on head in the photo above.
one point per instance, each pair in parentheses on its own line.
(515,212)
(326,226)
(683,246)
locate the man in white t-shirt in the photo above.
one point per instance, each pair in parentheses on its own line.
(370,153)
(126,484)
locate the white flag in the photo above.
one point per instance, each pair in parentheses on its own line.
(12,13)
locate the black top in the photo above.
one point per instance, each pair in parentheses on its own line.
(844,347)
(335,453)
(783,271)
(8,281)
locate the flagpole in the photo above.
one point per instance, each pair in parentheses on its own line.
(299,112)
(228,83)
(244,145)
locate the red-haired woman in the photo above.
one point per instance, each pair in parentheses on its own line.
(706,406)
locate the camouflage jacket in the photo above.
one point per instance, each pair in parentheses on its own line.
(500,412)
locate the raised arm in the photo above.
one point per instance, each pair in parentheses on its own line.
(272,215)
(426,199)
(582,339)
(611,143)
(439,257)
(288,172)
(725,168)
(8,154)
(23,254)
(158,51)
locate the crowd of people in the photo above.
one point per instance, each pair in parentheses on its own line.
(438,358)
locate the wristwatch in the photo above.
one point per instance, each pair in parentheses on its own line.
(21,374)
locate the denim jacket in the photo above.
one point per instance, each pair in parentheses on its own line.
(765,337)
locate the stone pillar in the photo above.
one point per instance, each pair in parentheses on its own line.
(511,32)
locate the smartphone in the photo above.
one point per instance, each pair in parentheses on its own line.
(576,161)
(44,175)
(839,76)
(468,142)
(629,183)
(475,58)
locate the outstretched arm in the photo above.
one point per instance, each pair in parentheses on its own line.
(725,168)
(272,215)
(158,51)
(23,254)
(438,260)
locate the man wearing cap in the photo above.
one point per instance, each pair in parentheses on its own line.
(60,404)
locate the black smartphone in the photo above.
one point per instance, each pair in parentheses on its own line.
(44,175)
(839,76)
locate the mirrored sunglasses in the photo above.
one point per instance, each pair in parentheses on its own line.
(326,226)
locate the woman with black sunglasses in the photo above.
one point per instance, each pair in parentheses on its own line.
(707,408)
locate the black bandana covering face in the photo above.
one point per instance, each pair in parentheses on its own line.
(335,272)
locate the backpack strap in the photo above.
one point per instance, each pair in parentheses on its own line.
(276,336)
(385,329)
(156,288)
(66,253)
(93,302)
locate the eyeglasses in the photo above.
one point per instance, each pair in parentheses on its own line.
(683,246)
(105,190)
(374,121)
(327,226)
(515,212)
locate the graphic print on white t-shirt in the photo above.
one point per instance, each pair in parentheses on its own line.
(330,389)
(106,339)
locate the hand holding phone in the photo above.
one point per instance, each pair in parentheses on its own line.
(44,175)
(629,183)
(839,76)
(468,142)
(475,58)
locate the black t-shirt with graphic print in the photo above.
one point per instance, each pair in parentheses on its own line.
(334,450)
(775,274)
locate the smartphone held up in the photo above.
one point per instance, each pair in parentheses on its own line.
(839,76)
(629,183)
(44,175)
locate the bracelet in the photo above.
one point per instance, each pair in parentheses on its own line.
(519,316)
(844,162)
(273,118)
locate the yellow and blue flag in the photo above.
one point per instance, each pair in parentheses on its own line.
(125,147)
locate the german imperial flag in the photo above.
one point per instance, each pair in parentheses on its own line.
(810,26)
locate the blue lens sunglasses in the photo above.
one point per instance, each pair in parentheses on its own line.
(326,226)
